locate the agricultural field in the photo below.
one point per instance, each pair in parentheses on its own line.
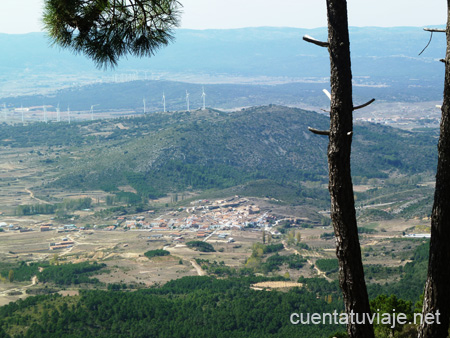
(106,192)
(122,251)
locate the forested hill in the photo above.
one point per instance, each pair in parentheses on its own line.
(163,152)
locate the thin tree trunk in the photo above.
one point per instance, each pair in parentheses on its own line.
(437,288)
(343,215)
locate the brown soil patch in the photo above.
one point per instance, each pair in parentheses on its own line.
(275,285)
(69,293)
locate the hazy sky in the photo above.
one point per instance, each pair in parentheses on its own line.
(23,16)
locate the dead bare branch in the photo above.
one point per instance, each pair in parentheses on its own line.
(431,30)
(309,39)
(319,132)
(364,105)
(435,30)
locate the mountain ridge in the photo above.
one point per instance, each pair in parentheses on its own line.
(209,149)
(379,55)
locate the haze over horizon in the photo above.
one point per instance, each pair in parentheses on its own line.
(216,14)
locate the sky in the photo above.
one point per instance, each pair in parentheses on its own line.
(24,16)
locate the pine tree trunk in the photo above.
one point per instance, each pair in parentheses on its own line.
(437,288)
(343,215)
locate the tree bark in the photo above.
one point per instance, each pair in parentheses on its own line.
(437,287)
(343,215)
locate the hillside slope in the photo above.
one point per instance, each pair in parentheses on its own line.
(161,152)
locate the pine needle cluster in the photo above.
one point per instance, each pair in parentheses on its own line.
(106,30)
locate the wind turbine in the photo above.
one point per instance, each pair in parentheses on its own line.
(45,113)
(144,105)
(92,111)
(68,112)
(187,101)
(58,114)
(164,102)
(5,111)
(204,98)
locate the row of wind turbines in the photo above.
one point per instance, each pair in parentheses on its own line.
(203,98)
(188,108)
(46,117)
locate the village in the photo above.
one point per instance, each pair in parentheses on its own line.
(200,221)
(232,227)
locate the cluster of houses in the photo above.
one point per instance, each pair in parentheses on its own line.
(59,229)
(204,216)
(42,227)
(65,244)
(13,227)
(401,120)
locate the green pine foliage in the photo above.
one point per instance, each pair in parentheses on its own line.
(47,209)
(23,271)
(412,278)
(35,209)
(377,271)
(41,134)
(189,307)
(328,265)
(409,287)
(127,197)
(219,269)
(105,31)
(320,286)
(200,246)
(202,306)
(274,262)
(363,230)
(249,152)
(156,253)
(68,274)
(391,305)
(270,248)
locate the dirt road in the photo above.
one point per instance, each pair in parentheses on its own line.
(198,268)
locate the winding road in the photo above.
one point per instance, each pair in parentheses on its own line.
(319,272)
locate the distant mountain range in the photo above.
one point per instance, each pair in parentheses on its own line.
(381,58)
(129,96)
